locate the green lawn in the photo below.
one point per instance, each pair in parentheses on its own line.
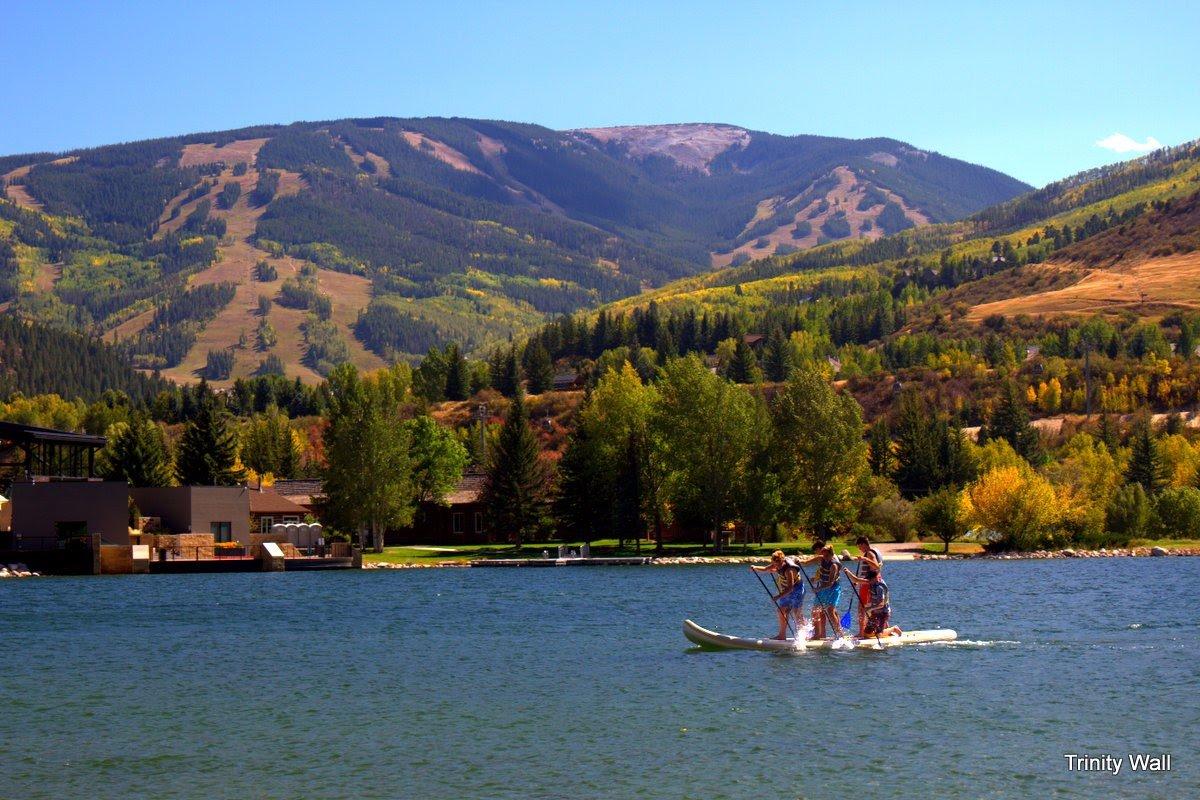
(1166,544)
(434,554)
(956,548)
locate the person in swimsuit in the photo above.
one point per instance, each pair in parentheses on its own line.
(828,586)
(877,607)
(868,559)
(790,600)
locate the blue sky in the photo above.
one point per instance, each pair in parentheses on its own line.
(1028,88)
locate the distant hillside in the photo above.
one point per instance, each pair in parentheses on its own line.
(297,247)
(1122,241)
(39,360)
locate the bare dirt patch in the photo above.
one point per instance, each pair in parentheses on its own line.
(243,150)
(842,198)
(236,259)
(1153,287)
(439,150)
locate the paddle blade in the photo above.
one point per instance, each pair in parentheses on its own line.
(846,619)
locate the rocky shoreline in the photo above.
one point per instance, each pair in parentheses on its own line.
(1103,552)
(17,571)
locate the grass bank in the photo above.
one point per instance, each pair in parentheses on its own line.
(436,554)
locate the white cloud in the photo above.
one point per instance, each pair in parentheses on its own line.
(1120,143)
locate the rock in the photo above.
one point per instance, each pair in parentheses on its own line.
(1158,551)
(1069,553)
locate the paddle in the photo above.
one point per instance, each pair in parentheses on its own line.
(847,620)
(787,618)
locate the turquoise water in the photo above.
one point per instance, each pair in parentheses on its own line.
(577,683)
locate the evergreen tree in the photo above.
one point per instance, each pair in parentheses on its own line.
(1010,421)
(1146,467)
(1187,339)
(515,489)
(581,505)
(138,453)
(880,453)
(508,382)
(1108,433)
(539,372)
(458,376)
(778,360)
(744,366)
(208,450)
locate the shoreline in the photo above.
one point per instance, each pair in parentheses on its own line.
(1033,555)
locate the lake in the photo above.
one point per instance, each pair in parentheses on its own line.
(578,683)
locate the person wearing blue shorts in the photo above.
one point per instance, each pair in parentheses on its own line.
(828,586)
(790,599)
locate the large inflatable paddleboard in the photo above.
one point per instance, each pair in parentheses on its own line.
(711,640)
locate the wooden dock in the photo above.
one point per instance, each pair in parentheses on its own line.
(561,562)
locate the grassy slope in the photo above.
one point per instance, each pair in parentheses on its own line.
(235,263)
(717,289)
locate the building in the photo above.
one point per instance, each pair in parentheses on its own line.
(459,519)
(268,508)
(50,515)
(28,452)
(223,511)
(567,381)
(308,493)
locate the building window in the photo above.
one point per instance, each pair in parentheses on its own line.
(221,531)
(479,522)
(68,531)
(457,519)
(266,523)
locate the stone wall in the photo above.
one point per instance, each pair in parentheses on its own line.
(181,545)
(116,559)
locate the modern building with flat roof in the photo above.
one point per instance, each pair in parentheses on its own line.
(223,511)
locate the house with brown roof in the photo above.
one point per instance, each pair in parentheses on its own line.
(459,519)
(268,507)
(306,492)
(755,340)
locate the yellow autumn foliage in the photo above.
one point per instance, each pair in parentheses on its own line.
(1014,506)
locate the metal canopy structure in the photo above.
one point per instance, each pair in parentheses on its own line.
(28,452)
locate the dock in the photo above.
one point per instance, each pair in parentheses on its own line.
(631,561)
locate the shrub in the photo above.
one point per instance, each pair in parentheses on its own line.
(1128,515)
(1177,513)
(265,271)
(940,514)
(1012,509)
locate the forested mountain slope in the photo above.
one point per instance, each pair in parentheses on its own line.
(293,248)
(1095,305)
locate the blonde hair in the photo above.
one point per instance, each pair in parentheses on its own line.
(777,556)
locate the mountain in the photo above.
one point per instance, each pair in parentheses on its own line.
(292,248)
(1134,218)
(1085,295)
